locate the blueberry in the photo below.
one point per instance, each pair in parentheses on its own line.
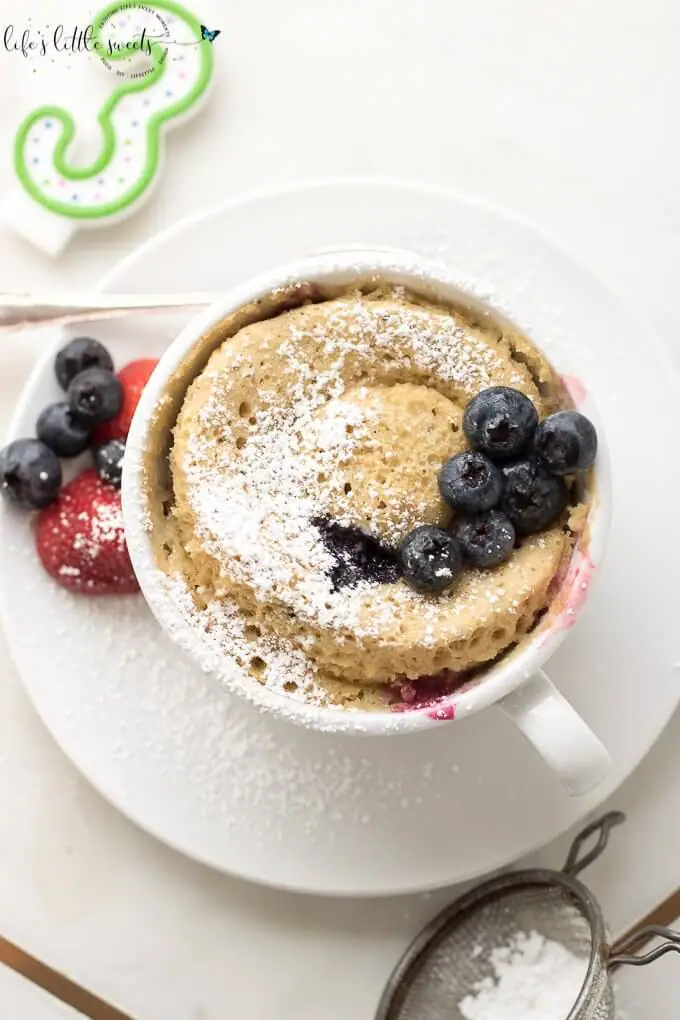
(60,430)
(470,482)
(500,422)
(108,460)
(95,395)
(431,558)
(76,356)
(30,473)
(486,540)
(566,442)
(358,557)
(533,497)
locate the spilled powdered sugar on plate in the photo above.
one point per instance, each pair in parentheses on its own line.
(162,720)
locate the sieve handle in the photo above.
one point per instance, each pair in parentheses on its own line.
(576,863)
(558,733)
(624,954)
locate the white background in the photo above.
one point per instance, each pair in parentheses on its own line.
(565,113)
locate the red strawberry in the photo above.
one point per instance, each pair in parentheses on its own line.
(81,542)
(133,378)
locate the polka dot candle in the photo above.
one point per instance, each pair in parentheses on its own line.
(172,79)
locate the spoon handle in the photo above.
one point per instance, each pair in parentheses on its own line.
(18,311)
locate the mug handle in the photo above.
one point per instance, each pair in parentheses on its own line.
(558,733)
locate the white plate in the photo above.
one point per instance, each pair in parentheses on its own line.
(263,799)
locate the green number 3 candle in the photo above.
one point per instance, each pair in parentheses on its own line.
(162,58)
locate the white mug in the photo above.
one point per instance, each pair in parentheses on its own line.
(516,684)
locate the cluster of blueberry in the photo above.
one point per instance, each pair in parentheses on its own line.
(509,484)
(30,469)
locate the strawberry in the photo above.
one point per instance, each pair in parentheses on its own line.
(133,378)
(81,542)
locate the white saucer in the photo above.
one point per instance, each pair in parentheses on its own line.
(324,813)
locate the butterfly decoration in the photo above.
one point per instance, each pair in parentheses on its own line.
(209,34)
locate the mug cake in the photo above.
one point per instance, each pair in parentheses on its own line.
(360,497)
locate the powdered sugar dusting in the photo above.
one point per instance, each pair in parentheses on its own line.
(283,667)
(100,529)
(253,511)
(535,978)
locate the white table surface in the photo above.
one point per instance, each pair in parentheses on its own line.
(566,114)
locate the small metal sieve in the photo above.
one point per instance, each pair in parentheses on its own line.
(449,959)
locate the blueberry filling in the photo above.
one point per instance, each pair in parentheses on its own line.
(358,557)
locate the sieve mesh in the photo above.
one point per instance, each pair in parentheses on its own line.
(458,956)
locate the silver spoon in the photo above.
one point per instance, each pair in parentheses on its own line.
(20,310)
